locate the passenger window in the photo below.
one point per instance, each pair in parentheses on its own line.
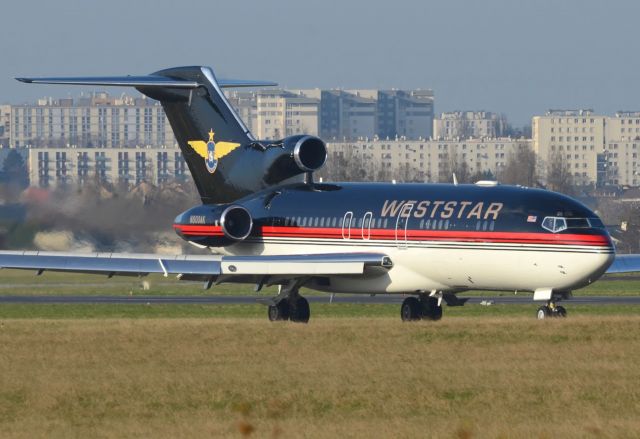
(322,222)
(446,225)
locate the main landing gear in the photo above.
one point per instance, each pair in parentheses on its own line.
(419,308)
(289,305)
(551,309)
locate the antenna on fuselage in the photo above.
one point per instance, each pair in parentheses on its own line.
(455,179)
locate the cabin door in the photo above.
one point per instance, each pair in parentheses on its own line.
(402,222)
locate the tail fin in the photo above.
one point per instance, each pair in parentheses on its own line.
(222,155)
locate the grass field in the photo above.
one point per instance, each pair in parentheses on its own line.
(463,377)
(109,370)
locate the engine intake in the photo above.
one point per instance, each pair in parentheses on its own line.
(310,153)
(236,222)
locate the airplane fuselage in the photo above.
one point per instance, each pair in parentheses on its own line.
(440,237)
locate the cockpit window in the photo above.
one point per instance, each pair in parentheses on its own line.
(554,224)
(557,224)
(596,223)
(578,223)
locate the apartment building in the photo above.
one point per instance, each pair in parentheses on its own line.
(468,125)
(433,159)
(281,113)
(98,120)
(575,137)
(51,167)
(622,146)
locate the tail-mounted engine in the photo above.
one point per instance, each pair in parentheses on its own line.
(294,155)
(215,226)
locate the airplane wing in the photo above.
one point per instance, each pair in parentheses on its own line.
(625,264)
(192,267)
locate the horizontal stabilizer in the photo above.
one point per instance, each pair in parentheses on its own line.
(142,81)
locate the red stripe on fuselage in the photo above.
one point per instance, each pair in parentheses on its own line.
(412,235)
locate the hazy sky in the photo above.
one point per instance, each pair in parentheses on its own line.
(509,56)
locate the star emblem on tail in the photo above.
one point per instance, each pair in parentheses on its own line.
(212,151)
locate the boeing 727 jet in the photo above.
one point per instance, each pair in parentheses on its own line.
(267,222)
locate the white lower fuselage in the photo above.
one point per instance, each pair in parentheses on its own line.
(450,266)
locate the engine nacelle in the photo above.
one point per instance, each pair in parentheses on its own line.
(215,226)
(299,154)
(236,222)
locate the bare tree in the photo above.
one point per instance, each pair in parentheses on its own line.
(559,177)
(520,168)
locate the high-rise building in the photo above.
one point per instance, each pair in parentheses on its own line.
(622,146)
(573,137)
(282,113)
(468,125)
(5,125)
(51,167)
(347,114)
(405,114)
(98,120)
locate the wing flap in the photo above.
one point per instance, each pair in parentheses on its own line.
(111,263)
(191,265)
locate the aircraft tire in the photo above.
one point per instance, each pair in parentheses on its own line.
(279,312)
(300,311)
(430,309)
(410,310)
(561,311)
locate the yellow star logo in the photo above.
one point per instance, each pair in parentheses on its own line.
(221,148)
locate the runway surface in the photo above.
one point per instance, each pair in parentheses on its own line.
(521,299)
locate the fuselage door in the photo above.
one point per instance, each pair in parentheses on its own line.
(366,225)
(346,225)
(402,222)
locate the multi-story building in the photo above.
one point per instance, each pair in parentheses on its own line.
(51,167)
(281,113)
(405,114)
(97,121)
(428,161)
(346,114)
(432,160)
(246,105)
(622,146)
(337,114)
(575,137)
(468,125)
(5,125)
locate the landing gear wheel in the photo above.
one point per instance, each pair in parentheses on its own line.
(280,311)
(543,312)
(561,311)
(411,309)
(430,309)
(300,311)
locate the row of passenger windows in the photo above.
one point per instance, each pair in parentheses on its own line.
(477,225)
(303,221)
(383,223)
